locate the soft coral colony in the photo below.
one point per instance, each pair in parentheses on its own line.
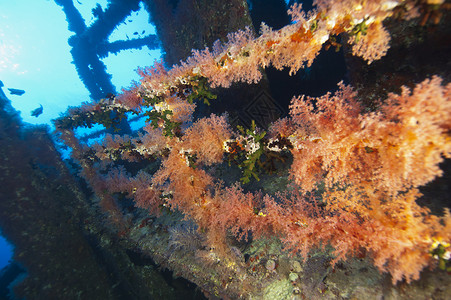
(369,164)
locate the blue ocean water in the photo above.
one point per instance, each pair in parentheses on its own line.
(6,252)
(52,80)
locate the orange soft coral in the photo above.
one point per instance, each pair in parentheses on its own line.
(396,148)
(206,138)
